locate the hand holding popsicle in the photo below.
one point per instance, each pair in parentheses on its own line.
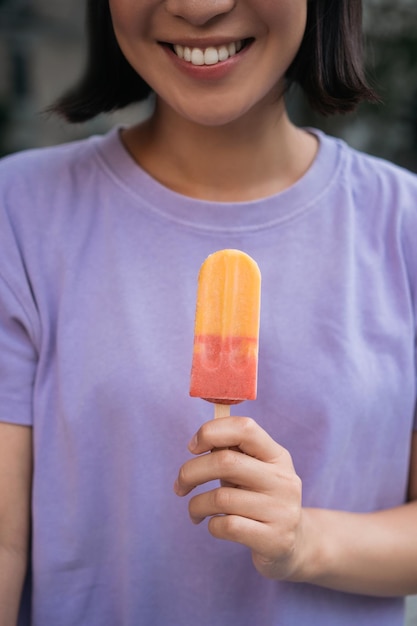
(263,509)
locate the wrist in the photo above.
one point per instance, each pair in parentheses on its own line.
(312,555)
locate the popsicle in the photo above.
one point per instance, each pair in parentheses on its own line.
(226,333)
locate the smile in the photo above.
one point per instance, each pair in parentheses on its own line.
(208,56)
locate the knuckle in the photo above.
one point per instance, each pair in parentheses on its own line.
(289,482)
(247,425)
(289,534)
(222,499)
(227,460)
(285,457)
(232,525)
(295,512)
(298,486)
(225,526)
(294,485)
(207,431)
(290,514)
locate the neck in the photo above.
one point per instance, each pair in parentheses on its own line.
(254,157)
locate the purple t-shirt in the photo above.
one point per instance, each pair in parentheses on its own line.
(98,274)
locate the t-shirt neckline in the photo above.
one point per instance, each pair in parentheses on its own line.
(303,195)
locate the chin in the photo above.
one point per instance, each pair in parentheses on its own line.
(213,117)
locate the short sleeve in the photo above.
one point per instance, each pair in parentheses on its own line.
(18,358)
(409,234)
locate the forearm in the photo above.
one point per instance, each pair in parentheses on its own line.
(373,554)
(15,497)
(13,565)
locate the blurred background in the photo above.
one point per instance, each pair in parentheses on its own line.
(42,52)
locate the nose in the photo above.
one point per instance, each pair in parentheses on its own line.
(199,12)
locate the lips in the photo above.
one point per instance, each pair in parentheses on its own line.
(212,55)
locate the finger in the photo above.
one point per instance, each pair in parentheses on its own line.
(243,433)
(230,501)
(225,465)
(271,548)
(251,533)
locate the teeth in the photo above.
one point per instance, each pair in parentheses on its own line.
(209,56)
(223,53)
(232,49)
(197,57)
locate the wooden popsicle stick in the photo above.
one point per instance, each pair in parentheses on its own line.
(221,410)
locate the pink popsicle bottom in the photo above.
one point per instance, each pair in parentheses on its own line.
(224,369)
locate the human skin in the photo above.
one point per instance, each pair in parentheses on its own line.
(236,111)
(211,95)
(251,150)
(15,497)
(235,115)
(259,504)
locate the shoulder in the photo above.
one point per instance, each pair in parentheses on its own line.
(381,195)
(45,185)
(386,195)
(379,173)
(44,192)
(375,181)
(36,166)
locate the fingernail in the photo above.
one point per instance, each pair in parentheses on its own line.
(193,443)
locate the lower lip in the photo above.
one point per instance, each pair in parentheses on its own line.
(208,72)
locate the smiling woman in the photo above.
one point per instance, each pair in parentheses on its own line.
(328,65)
(195,89)
(314,495)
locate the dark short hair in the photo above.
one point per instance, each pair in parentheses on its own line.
(329,65)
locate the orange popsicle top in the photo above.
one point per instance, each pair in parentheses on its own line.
(225,357)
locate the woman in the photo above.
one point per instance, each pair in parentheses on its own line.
(101,242)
